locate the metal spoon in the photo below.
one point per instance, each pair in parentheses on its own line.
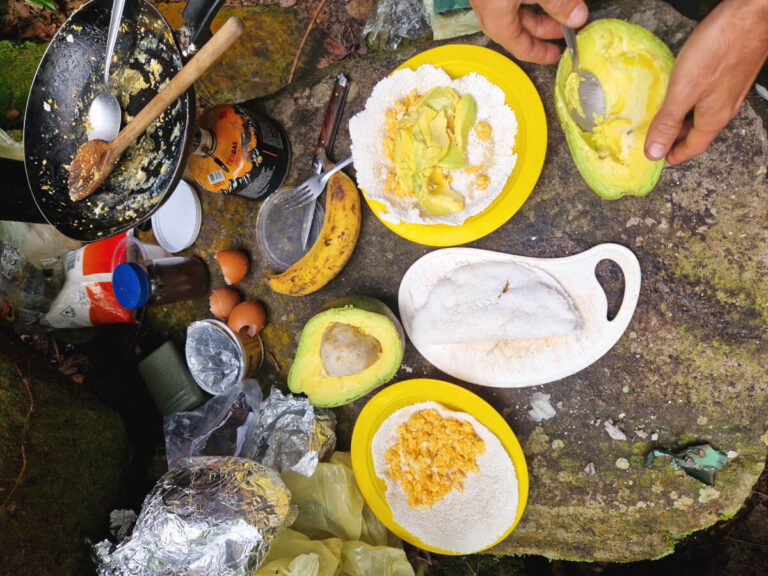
(104,115)
(591,94)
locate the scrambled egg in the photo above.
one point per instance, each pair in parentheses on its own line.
(433,456)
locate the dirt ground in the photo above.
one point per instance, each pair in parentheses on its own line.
(735,547)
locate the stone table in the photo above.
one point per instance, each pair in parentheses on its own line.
(690,368)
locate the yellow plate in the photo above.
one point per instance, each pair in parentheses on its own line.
(530,143)
(453,397)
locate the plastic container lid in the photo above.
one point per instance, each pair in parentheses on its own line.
(176,223)
(278,231)
(131,285)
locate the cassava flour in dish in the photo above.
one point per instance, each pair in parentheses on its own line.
(493,302)
(463,521)
(496,157)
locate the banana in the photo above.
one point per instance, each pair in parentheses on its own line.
(333,247)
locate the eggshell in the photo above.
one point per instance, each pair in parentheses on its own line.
(222,301)
(234,265)
(250,315)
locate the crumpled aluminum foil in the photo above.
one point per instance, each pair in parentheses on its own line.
(291,434)
(283,432)
(210,516)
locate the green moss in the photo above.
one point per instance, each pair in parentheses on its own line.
(18,63)
(75,456)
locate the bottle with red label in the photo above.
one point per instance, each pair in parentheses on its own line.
(238,152)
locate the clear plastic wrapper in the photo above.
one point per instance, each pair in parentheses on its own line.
(208,516)
(217,428)
(392,21)
(282,432)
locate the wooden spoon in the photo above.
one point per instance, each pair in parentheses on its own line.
(96,159)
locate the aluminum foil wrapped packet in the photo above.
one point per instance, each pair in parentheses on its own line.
(282,432)
(209,516)
(291,434)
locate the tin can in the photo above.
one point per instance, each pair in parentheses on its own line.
(238,152)
(218,357)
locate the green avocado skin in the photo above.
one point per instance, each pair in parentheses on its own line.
(589,170)
(296,377)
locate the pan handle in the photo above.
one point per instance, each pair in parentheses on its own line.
(198,15)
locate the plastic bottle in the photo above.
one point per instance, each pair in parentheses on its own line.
(159,281)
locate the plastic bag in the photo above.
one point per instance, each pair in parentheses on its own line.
(329,502)
(217,428)
(391,21)
(31,271)
(333,557)
(9,148)
(361,559)
(281,432)
(451,25)
(292,544)
(87,298)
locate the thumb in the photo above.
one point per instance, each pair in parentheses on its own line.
(665,128)
(572,13)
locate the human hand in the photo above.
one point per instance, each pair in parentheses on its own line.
(711,76)
(523,32)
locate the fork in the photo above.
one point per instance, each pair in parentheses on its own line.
(311,188)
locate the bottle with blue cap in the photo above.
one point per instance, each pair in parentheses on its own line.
(159,281)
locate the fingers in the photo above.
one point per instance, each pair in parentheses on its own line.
(665,127)
(518,33)
(695,142)
(572,13)
(540,25)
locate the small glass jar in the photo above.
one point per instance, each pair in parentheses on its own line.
(159,281)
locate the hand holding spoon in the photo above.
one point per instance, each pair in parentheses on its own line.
(96,158)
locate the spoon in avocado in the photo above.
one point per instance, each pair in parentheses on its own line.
(591,95)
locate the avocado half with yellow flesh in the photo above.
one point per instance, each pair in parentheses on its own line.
(633,67)
(354,345)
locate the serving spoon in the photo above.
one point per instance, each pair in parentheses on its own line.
(591,94)
(104,114)
(96,159)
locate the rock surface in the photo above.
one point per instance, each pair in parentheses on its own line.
(690,368)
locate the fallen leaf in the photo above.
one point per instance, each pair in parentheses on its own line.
(287,3)
(335,50)
(360,9)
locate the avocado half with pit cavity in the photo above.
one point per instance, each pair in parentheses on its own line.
(354,345)
(633,67)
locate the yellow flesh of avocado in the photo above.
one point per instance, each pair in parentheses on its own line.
(308,373)
(633,67)
(424,145)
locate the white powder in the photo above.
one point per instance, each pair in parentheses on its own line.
(492,302)
(462,522)
(497,157)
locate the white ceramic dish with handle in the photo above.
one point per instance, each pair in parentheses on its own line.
(527,362)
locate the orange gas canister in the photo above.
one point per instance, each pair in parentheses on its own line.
(238,152)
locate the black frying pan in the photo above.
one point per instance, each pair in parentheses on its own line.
(70,76)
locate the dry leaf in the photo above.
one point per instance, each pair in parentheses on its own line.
(335,50)
(359,9)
